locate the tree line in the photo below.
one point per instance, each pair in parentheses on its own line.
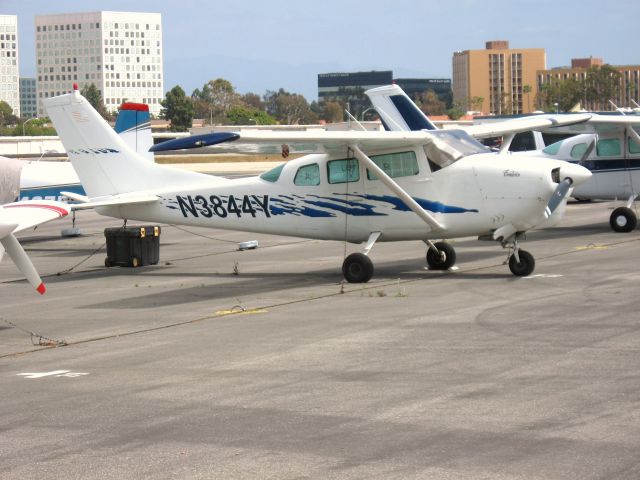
(600,84)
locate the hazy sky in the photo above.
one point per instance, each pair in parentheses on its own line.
(268,44)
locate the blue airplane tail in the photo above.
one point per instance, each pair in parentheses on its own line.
(133,124)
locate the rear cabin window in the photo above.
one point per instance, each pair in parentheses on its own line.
(308,175)
(397,164)
(608,147)
(633,146)
(577,151)
(273,175)
(343,171)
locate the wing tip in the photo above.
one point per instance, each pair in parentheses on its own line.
(41,289)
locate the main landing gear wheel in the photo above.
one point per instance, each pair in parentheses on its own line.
(623,219)
(443,259)
(525,266)
(357,268)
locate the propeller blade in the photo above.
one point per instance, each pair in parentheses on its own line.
(195,141)
(558,196)
(22,261)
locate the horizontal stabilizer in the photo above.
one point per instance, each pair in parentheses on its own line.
(114,201)
(195,141)
(75,197)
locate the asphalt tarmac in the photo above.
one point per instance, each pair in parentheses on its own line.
(219,363)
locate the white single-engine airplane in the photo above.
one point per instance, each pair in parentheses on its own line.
(608,145)
(366,187)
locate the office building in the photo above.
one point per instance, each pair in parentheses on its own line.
(498,79)
(119,52)
(349,88)
(9,61)
(415,87)
(28,98)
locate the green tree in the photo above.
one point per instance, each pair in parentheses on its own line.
(215,99)
(430,104)
(566,93)
(240,115)
(6,114)
(94,97)
(456,111)
(289,108)
(601,85)
(332,112)
(178,109)
(252,100)
(475,103)
(526,89)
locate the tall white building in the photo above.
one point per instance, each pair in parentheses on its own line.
(119,52)
(9,86)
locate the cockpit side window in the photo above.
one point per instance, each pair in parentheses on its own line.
(397,164)
(273,175)
(578,150)
(553,149)
(307,175)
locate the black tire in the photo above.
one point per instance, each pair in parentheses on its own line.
(357,268)
(623,220)
(443,259)
(107,263)
(525,267)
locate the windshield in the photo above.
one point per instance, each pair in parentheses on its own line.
(449,146)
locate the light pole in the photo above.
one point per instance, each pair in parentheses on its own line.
(362,116)
(24,123)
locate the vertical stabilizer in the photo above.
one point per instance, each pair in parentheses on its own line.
(397,110)
(105,164)
(133,124)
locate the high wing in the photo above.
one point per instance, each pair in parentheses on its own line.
(524,124)
(18,216)
(300,142)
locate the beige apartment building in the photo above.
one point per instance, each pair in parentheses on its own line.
(628,94)
(498,79)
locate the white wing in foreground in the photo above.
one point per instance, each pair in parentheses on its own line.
(18,216)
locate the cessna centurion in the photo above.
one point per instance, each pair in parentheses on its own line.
(365,187)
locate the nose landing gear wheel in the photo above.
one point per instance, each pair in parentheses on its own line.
(443,259)
(623,219)
(525,266)
(357,268)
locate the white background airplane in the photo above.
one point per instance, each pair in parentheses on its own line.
(365,187)
(611,150)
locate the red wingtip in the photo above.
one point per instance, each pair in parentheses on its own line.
(41,289)
(75,86)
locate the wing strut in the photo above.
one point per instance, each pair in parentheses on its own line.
(397,189)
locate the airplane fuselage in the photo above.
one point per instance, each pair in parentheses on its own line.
(468,198)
